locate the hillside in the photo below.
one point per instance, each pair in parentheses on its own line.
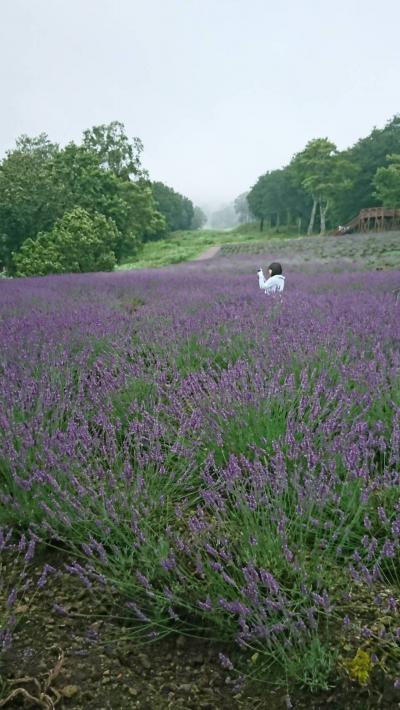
(185,246)
(359,251)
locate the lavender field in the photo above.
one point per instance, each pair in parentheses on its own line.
(227,463)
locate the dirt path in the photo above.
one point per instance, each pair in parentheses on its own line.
(208,254)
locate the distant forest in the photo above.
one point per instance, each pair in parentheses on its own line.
(88,206)
(322,187)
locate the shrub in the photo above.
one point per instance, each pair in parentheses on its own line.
(79,242)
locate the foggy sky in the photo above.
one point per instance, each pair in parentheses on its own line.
(219,91)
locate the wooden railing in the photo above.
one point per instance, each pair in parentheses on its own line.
(376,219)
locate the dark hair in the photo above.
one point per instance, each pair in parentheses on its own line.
(276,268)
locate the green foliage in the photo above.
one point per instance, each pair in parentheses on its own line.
(256,199)
(193,355)
(322,172)
(242,208)
(128,203)
(30,199)
(177,210)
(387,183)
(183,246)
(269,197)
(113,149)
(85,184)
(365,250)
(276,198)
(39,183)
(143,221)
(79,242)
(314,166)
(250,428)
(199,219)
(252,231)
(312,665)
(339,183)
(368,154)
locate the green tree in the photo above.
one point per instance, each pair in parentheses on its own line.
(30,200)
(143,220)
(78,242)
(128,203)
(114,150)
(367,155)
(387,182)
(275,197)
(199,219)
(242,208)
(39,183)
(322,172)
(85,184)
(177,209)
(257,202)
(297,200)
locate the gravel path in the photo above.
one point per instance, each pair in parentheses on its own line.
(208,254)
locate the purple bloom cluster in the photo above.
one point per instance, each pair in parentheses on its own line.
(237,451)
(16,552)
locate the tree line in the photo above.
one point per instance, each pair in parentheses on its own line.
(322,187)
(84,207)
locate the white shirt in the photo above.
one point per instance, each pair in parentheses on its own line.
(272,284)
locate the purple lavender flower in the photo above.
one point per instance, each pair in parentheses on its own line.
(205,605)
(47,569)
(388,549)
(225,662)
(249,454)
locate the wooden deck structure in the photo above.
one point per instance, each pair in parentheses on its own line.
(373,219)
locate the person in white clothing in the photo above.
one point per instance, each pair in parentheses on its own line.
(275,281)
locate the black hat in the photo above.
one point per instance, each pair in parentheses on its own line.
(275,268)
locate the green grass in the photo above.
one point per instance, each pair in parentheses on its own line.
(371,249)
(184,246)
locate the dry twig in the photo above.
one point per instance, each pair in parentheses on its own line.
(42,699)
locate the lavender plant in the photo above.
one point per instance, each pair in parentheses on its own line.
(228,462)
(16,584)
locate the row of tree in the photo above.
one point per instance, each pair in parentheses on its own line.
(83,207)
(323,187)
(178,210)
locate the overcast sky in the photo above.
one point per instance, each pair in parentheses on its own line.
(219,91)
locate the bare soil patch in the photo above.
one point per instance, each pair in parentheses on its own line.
(72,648)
